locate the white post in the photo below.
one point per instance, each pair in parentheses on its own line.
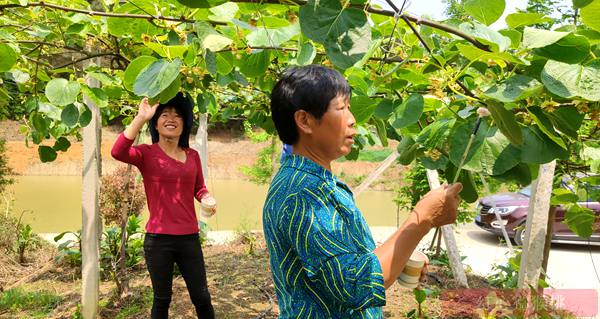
(375,174)
(91,228)
(536,227)
(201,143)
(453,254)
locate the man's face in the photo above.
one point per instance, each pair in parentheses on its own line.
(334,132)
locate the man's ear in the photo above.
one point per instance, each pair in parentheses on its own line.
(304,121)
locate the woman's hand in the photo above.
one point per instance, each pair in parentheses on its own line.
(145,110)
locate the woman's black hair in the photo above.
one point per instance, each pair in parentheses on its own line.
(310,88)
(184,107)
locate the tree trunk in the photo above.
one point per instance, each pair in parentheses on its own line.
(453,254)
(122,279)
(548,243)
(535,230)
(91,229)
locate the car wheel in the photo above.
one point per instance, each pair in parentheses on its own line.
(519,236)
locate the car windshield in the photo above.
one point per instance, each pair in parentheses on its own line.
(526,191)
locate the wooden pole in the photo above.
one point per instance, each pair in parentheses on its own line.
(201,144)
(548,243)
(453,254)
(376,173)
(535,230)
(91,229)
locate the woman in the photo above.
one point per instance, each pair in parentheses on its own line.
(172,179)
(323,257)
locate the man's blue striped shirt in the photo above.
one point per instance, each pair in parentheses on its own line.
(320,246)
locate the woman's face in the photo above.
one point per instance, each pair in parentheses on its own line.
(170,123)
(334,133)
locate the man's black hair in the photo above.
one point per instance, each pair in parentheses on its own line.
(310,88)
(184,107)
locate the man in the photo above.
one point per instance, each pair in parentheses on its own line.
(323,257)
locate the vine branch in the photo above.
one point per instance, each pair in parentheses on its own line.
(91,56)
(370,9)
(103,14)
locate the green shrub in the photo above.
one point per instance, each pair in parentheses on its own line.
(5,170)
(37,303)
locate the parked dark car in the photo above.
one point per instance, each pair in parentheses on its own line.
(512,208)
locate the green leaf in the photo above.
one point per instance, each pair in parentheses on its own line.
(327,19)
(50,110)
(62,144)
(408,112)
(472,53)
(207,103)
(563,196)
(570,49)
(412,77)
(209,38)
(306,54)
(224,12)
(8,57)
(134,68)
(591,156)
(272,37)
(407,148)
(96,95)
(496,41)
(491,152)
(256,64)
(156,77)
(70,115)
(385,108)
(168,51)
(210,60)
(516,88)
(345,32)
(225,62)
(46,153)
(419,295)
(435,134)
(62,92)
(515,20)
(580,220)
(545,125)
(469,191)
(567,119)
(39,123)
(349,49)
(520,174)
(485,11)
(538,148)
(170,92)
(362,107)
(506,122)
(538,38)
(572,80)
(201,3)
(514,36)
(86,117)
(590,15)
(119,27)
(581,3)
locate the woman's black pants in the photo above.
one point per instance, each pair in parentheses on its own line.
(162,252)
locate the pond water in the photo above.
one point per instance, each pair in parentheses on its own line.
(52,204)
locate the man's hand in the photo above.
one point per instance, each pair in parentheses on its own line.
(439,206)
